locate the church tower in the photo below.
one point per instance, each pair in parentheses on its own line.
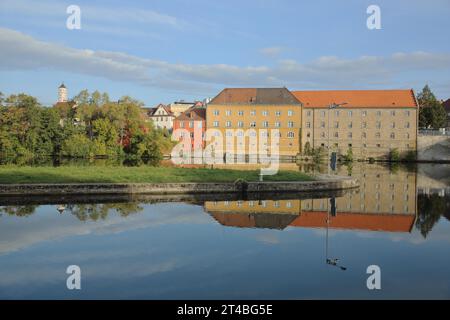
(62,93)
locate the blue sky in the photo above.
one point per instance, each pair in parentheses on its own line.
(161,51)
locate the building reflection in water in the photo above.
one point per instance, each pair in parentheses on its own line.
(386,201)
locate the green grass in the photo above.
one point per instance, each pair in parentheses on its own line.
(110,174)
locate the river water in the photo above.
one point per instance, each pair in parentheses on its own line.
(262,246)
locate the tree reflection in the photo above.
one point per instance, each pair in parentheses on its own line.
(84,212)
(20,211)
(430,209)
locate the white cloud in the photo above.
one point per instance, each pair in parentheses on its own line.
(99,18)
(23,52)
(272,51)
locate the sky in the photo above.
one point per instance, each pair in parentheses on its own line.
(163,51)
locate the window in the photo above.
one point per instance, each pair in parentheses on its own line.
(308,113)
(407,113)
(392,113)
(199,124)
(265,124)
(350,135)
(191,124)
(336,124)
(336,113)
(336,134)
(308,124)
(253,112)
(392,135)
(181,124)
(378,113)
(377,135)
(364,125)
(322,134)
(192,135)
(290,113)
(378,125)
(378,145)
(290,134)
(253,124)
(393,125)
(216,112)
(308,134)
(364,135)
(278,113)
(290,124)
(240,112)
(407,125)
(277,124)
(228,124)
(350,125)
(407,136)
(240,124)
(228,112)
(265,113)
(215,123)
(350,113)
(322,124)
(364,113)
(322,114)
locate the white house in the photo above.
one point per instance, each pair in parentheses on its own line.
(161,116)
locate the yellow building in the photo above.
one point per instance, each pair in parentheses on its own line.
(370,122)
(256,115)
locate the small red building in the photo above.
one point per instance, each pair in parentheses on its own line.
(193,121)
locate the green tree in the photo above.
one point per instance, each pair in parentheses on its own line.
(431,112)
(78,146)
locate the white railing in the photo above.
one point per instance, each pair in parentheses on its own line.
(429,132)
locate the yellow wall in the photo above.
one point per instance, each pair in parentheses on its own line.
(287,146)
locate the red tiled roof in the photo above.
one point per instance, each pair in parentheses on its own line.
(358,98)
(359,221)
(151,111)
(193,113)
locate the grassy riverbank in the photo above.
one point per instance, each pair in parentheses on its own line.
(143,174)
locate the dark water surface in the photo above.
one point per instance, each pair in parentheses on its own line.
(222,246)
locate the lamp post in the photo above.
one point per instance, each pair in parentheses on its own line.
(329,261)
(330,107)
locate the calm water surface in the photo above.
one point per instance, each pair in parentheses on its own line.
(223,247)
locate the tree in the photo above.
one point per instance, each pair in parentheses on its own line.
(78,146)
(431,112)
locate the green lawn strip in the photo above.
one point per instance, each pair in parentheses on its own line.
(143,174)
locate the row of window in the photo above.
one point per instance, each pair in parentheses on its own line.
(265,124)
(363,113)
(363,135)
(364,125)
(364,145)
(253,133)
(265,113)
(262,203)
(190,124)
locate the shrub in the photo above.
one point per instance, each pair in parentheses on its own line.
(410,156)
(307,151)
(349,156)
(394,155)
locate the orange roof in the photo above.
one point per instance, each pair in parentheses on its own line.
(357,98)
(359,221)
